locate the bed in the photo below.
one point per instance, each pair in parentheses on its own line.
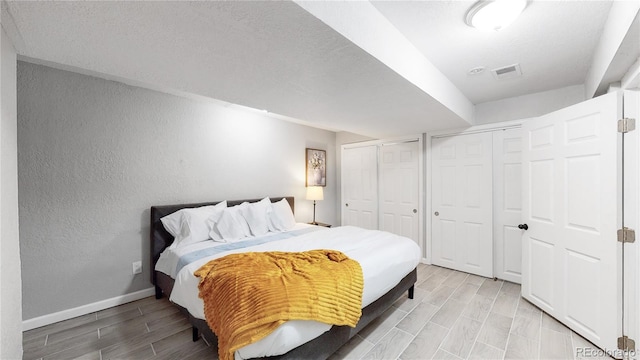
(315,341)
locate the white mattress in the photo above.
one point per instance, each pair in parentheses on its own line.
(385,259)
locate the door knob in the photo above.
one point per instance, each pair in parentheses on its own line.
(436,213)
(347,204)
(415,211)
(523,226)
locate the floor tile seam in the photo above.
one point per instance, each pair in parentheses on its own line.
(453,292)
(445,338)
(434,313)
(492,346)
(408,343)
(84,332)
(493,303)
(97,326)
(475,339)
(506,346)
(385,334)
(55,331)
(72,346)
(440,307)
(548,328)
(574,344)
(540,335)
(133,337)
(448,352)
(363,339)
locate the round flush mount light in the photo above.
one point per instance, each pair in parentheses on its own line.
(494,14)
(476,70)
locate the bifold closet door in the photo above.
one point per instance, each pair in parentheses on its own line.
(360,187)
(399,189)
(461,234)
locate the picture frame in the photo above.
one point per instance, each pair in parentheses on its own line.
(316,167)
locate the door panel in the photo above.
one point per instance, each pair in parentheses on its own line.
(400,189)
(360,187)
(462,198)
(507,188)
(571,205)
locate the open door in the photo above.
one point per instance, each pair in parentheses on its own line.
(572,206)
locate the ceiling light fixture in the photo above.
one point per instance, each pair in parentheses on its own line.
(494,14)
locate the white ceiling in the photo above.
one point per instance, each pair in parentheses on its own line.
(553,41)
(279,57)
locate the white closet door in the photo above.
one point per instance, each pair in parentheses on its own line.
(399,189)
(571,206)
(507,206)
(462,203)
(360,187)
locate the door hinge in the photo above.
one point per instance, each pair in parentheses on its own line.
(626,344)
(625,125)
(626,235)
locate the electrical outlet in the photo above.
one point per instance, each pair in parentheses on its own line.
(137,267)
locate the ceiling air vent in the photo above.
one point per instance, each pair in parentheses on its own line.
(507,72)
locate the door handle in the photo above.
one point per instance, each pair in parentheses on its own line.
(415,211)
(436,213)
(523,226)
(347,204)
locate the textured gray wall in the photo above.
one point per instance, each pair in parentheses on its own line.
(94,155)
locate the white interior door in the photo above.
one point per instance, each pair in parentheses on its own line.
(507,204)
(400,189)
(461,227)
(360,187)
(571,205)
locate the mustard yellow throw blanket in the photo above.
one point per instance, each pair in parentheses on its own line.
(248,295)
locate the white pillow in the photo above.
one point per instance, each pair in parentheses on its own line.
(244,225)
(212,220)
(189,226)
(281,216)
(232,225)
(257,216)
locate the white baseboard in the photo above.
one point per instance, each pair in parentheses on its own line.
(85,309)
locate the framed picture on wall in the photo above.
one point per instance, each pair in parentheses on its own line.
(316,167)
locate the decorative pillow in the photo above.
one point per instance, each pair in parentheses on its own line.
(257,216)
(232,225)
(189,226)
(281,216)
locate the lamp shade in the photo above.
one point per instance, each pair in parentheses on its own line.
(315,193)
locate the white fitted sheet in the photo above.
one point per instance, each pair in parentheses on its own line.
(385,259)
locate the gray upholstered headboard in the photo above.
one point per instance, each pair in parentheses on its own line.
(160,239)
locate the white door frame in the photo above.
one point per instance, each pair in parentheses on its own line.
(428,161)
(421,181)
(632,219)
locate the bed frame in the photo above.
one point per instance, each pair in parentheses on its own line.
(319,348)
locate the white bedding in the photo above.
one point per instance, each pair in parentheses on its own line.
(385,259)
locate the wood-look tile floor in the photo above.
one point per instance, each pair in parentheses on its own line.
(453,315)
